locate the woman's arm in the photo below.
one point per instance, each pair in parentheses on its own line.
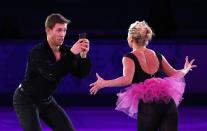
(125,79)
(170,71)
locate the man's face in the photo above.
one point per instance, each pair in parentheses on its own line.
(57,34)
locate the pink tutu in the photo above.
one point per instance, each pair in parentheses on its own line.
(151,90)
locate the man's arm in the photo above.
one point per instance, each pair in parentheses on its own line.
(83,64)
(82,67)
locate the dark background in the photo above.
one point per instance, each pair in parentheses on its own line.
(106,18)
(179,25)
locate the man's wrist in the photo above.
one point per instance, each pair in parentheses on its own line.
(83,54)
(71,50)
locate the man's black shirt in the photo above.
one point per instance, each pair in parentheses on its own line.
(43,72)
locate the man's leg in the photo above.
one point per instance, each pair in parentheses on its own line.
(56,118)
(26,112)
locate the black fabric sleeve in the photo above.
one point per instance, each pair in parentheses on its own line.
(82,67)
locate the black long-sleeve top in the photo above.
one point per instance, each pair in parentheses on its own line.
(43,72)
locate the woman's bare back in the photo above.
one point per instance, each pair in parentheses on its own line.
(148,60)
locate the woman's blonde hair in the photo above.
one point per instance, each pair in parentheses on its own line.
(140,32)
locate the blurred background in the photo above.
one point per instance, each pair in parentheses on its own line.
(180,29)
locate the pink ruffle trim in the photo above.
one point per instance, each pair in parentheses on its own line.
(151,90)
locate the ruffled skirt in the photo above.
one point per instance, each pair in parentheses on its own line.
(151,90)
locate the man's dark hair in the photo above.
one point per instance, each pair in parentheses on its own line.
(55,18)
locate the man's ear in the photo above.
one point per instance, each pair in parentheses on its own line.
(47,30)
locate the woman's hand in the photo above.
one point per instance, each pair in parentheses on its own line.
(188,66)
(96,86)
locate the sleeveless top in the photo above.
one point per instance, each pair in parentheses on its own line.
(140,75)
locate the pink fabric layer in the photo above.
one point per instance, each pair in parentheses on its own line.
(151,90)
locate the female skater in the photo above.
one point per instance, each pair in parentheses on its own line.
(149,98)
